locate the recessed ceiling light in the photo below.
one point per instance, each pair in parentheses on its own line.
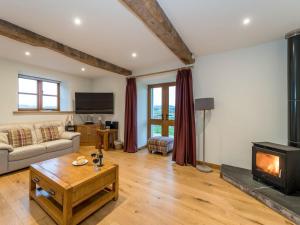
(77,21)
(82,69)
(27,53)
(134,55)
(246,21)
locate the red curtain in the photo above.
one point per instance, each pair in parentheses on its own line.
(185,135)
(130,139)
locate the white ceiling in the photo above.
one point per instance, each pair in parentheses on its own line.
(111,32)
(210,26)
(45,58)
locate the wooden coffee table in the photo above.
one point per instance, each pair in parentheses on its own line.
(69,194)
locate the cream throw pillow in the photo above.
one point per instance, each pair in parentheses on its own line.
(3,138)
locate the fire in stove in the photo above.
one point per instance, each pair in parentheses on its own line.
(276,165)
(268,163)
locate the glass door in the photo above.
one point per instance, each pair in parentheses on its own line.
(156,112)
(161,109)
(170,119)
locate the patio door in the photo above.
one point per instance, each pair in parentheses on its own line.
(161,109)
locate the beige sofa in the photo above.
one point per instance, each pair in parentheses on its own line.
(13,159)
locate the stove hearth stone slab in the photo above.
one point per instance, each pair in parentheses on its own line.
(286,205)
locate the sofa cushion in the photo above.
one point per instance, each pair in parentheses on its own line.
(49,133)
(57,145)
(20,137)
(26,152)
(4,128)
(59,124)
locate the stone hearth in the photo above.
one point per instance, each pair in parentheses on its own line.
(287,205)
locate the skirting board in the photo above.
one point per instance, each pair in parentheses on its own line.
(143,147)
(212,165)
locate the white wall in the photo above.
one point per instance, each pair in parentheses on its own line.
(9,71)
(117,85)
(250,90)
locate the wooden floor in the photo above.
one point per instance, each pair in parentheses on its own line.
(153,190)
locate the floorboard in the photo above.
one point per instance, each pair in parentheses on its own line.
(154,191)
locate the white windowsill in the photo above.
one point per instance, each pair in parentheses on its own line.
(42,112)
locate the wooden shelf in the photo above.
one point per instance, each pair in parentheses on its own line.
(48,204)
(42,112)
(91,205)
(80,212)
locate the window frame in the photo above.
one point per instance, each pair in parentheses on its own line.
(39,94)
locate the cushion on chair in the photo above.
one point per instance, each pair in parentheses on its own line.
(57,145)
(160,141)
(26,152)
(160,144)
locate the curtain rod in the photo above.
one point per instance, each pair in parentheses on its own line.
(160,72)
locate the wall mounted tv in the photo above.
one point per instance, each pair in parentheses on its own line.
(94,103)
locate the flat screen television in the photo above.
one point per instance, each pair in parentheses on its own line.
(94,103)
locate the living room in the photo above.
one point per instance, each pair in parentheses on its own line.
(166,112)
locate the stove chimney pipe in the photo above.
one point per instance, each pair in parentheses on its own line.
(293,39)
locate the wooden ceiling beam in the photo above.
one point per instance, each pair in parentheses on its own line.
(20,34)
(150,12)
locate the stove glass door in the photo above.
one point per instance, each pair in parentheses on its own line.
(268,163)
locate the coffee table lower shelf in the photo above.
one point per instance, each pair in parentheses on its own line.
(79,212)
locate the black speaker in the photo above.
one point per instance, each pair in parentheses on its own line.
(107,124)
(114,125)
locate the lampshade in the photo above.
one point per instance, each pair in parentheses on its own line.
(204,104)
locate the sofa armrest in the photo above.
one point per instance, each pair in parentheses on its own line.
(69,135)
(3,161)
(3,146)
(76,143)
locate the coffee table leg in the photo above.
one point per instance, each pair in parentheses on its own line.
(32,186)
(116,185)
(67,207)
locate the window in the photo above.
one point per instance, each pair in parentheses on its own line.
(38,94)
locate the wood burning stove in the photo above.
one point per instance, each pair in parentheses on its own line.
(276,165)
(279,165)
